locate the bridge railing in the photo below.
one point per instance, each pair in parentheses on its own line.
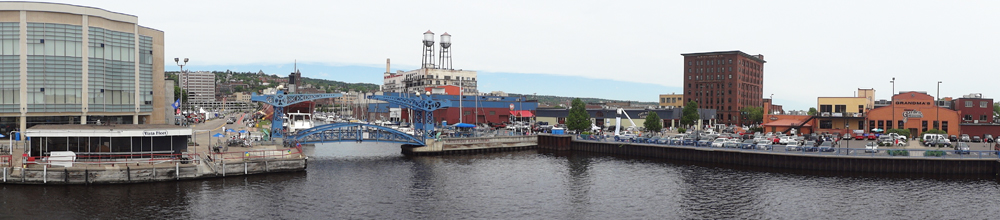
(894,152)
(477,140)
(112,159)
(294,152)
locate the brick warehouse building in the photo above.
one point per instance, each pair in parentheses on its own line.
(725,81)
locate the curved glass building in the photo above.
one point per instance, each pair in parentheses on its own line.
(68,64)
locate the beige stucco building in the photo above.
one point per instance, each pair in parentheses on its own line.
(69,64)
(672,100)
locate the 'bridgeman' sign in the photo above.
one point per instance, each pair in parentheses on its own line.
(154,133)
(913,114)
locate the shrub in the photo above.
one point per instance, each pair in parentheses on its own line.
(898,152)
(933,153)
(681,130)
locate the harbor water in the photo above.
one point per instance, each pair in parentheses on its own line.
(374,181)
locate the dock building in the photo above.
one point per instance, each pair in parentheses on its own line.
(69,64)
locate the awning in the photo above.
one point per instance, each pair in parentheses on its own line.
(786,122)
(464,125)
(522,113)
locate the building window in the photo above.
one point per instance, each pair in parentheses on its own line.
(967,117)
(968,104)
(982,104)
(871,124)
(881,124)
(982,118)
(826,108)
(900,123)
(888,124)
(493,112)
(840,108)
(937,124)
(923,126)
(944,126)
(825,124)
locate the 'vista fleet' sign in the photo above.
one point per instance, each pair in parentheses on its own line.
(154,133)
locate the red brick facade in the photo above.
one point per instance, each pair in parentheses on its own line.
(725,81)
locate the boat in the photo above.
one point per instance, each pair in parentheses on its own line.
(299,121)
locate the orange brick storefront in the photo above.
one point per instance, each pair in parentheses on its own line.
(919,112)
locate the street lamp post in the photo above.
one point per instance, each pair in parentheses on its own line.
(937,109)
(892,101)
(186,78)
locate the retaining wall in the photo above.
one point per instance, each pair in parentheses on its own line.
(896,164)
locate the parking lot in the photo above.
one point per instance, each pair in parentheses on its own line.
(914,149)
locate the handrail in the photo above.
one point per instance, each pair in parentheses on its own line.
(883,152)
(6,160)
(256,154)
(119,159)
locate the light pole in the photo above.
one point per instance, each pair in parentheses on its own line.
(186,78)
(892,101)
(937,113)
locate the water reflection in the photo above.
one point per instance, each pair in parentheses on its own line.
(366,181)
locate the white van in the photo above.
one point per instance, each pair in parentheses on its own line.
(933,136)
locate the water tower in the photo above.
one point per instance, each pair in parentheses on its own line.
(445,62)
(428,62)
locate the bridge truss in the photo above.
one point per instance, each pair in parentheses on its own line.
(280,100)
(358,132)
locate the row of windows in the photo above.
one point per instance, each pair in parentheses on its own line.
(670,100)
(710,77)
(709,62)
(887,124)
(982,104)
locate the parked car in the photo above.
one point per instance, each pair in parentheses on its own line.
(872,137)
(871,147)
(794,146)
(977,139)
(787,139)
(748,144)
(689,142)
(885,140)
(627,136)
(826,146)
(848,136)
(988,138)
(938,143)
(719,142)
(953,138)
(961,148)
(704,142)
(964,138)
(731,143)
(809,146)
(764,145)
(859,136)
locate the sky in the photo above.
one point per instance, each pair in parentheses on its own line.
(626,50)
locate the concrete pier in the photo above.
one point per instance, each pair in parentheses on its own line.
(472,145)
(840,163)
(198,162)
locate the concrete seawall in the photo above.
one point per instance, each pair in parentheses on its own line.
(216,165)
(472,145)
(897,164)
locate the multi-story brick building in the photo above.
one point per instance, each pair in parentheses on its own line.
(725,81)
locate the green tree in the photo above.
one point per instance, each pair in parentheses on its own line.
(812,111)
(690,112)
(578,119)
(753,115)
(653,122)
(996,108)
(178,92)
